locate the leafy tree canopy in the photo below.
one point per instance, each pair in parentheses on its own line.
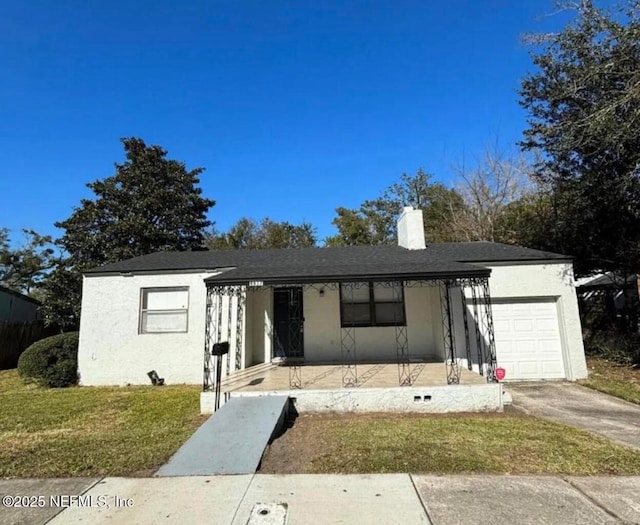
(374,222)
(150,204)
(24,268)
(528,221)
(249,234)
(583,102)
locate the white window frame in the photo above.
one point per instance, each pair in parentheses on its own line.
(143,310)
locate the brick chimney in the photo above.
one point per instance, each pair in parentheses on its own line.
(411,229)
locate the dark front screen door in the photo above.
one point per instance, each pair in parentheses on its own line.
(288,323)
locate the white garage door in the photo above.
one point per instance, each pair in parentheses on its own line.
(528,339)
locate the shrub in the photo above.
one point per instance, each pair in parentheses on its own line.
(52,362)
(621,347)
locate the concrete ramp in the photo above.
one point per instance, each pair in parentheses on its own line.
(232,440)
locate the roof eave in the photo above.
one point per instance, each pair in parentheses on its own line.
(546,260)
(98,273)
(426,276)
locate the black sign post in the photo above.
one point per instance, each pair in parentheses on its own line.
(218,350)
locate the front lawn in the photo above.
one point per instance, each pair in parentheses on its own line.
(622,381)
(443,444)
(91,431)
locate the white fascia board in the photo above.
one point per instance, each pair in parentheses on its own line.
(211,271)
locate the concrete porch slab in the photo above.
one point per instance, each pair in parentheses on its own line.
(329,377)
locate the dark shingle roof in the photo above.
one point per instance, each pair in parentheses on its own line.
(300,264)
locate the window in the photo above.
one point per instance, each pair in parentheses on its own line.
(164,310)
(369,305)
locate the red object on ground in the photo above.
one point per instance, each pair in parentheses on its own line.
(500,373)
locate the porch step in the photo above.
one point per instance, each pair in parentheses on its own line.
(232,440)
(246,373)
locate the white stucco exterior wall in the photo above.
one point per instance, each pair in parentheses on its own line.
(259,326)
(549,280)
(322,336)
(112,352)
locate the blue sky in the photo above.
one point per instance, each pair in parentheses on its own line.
(293,107)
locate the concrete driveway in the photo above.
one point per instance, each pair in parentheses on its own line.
(580,407)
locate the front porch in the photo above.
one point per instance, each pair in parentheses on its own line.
(329,376)
(322,389)
(351,340)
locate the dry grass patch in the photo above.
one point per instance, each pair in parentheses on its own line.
(90,431)
(444,444)
(618,380)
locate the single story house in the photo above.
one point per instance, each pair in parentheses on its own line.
(471,305)
(16,307)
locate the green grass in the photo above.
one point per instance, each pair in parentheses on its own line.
(447,444)
(88,431)
(622,381)
(91,431)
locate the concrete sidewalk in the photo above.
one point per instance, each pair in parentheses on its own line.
(328,499)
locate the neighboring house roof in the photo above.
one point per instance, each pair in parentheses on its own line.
(9,291)
(606,280)
(335,263)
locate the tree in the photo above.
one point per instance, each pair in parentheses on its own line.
(528,221)
(286,235)
(487,190)
(584,117)
(62,294)
(374,222)
(242,235)
(249,234)
(24,268)
(150,204)
(359,227)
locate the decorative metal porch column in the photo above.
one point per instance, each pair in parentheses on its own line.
(229,326)
(211,335)
(348,340)
(402,339)
(483,320)
(214,329)
(465,320)
(488,329)
(241,301)
(476,322)
(295,338)
(448,334)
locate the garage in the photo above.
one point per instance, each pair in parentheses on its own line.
(528,343)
